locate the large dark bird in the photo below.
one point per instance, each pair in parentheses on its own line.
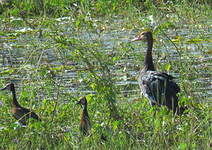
(20,113)
(85,124)
(158,87)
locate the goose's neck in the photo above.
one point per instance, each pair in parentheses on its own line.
(148,61)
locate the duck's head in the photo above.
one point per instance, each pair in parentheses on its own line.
(10,87)
(145,35)
(82,101)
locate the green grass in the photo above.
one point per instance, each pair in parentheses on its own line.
(89,51)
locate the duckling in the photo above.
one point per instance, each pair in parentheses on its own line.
(20,113)
(85,124)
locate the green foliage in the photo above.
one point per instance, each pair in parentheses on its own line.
(86,52)
(94,7)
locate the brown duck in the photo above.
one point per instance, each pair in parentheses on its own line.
(20,113)
(85,124)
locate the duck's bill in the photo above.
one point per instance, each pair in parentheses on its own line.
(78,102)
(136,39)
(2,89)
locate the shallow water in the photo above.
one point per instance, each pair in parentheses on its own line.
(28,51)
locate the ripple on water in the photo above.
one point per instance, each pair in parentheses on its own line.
(125,71)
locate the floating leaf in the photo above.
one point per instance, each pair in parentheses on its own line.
(10,71)
(177,39)
(194,40)
(164,26)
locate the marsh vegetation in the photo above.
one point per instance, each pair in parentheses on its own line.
(57,51)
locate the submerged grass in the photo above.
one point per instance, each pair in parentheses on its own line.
(68,49)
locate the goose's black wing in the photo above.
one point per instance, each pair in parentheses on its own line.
(159,88)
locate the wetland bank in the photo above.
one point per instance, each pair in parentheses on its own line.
(55,52)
